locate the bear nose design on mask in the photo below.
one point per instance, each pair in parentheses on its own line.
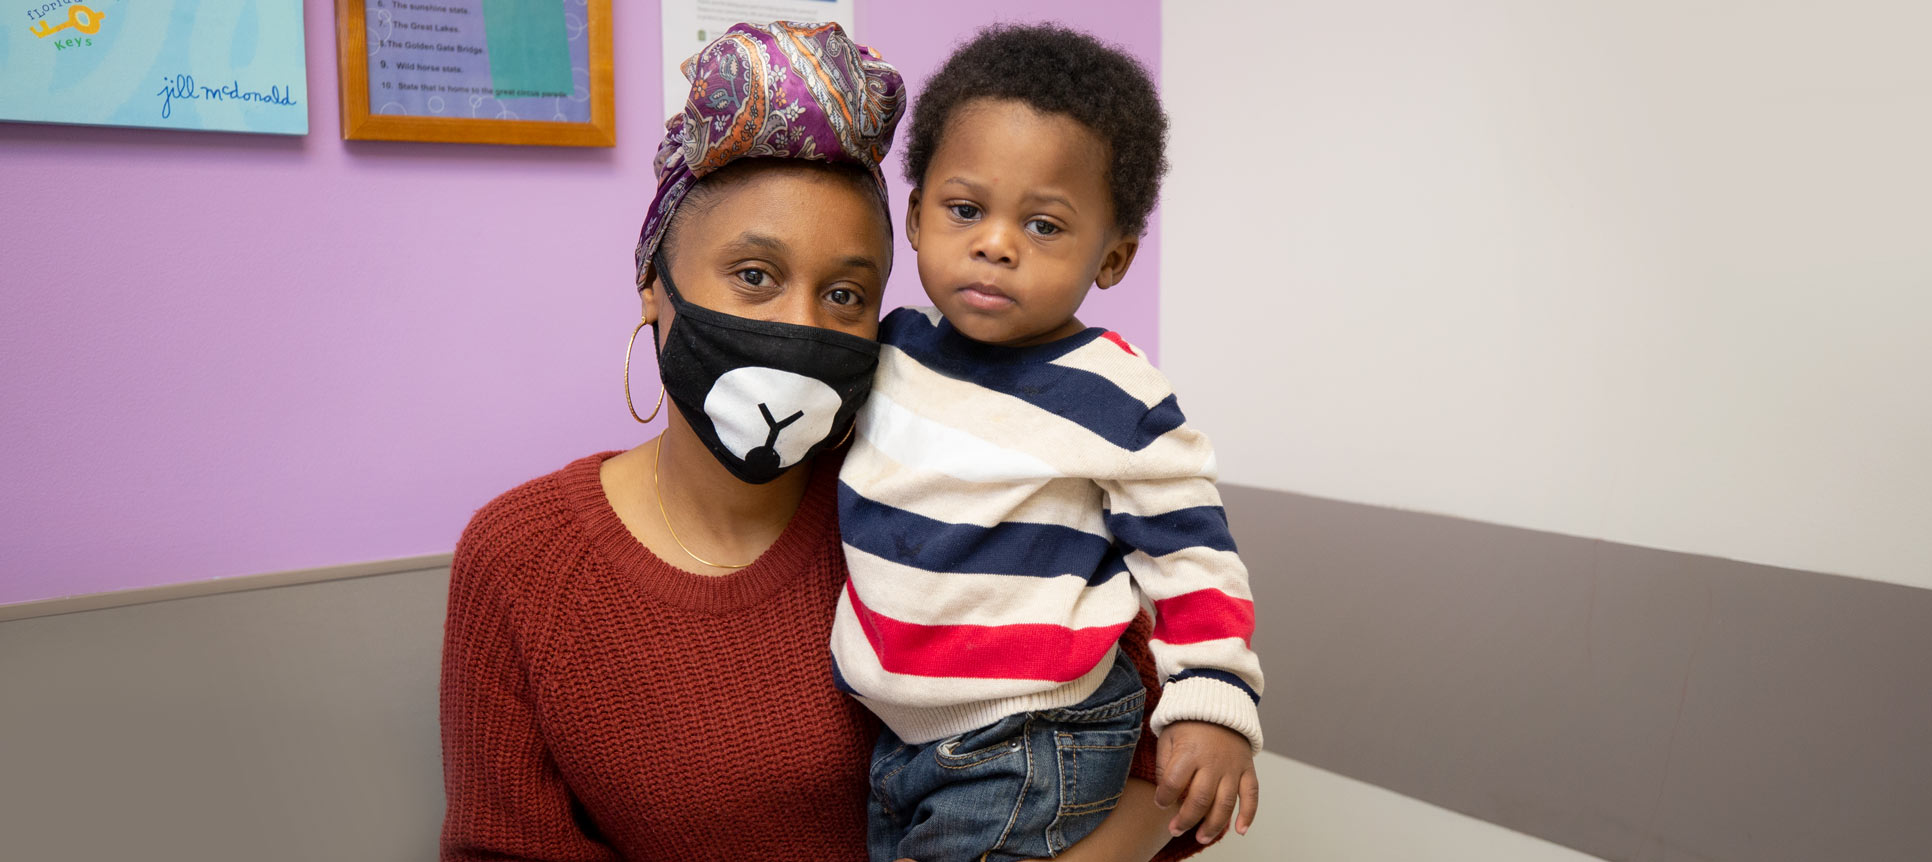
(770,418)
(766,457)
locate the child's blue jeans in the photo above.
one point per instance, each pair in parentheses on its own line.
(1024,787)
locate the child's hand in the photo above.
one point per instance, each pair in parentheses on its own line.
(1208,765)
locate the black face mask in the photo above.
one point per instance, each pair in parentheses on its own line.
(763,396)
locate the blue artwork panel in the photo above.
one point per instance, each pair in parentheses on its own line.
(208,65)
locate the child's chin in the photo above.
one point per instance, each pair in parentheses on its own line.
(986,334)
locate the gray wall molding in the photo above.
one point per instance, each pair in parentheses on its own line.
(294,723)
(1631,703)
(218,586)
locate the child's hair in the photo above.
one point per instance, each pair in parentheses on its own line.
(1057,71)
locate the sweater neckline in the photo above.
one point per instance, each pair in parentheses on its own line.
(796,547)
(952,341)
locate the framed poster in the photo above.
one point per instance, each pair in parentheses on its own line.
(201,65)
(476,71)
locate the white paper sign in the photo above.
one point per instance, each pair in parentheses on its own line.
(689,25)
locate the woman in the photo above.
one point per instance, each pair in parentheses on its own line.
(636,663)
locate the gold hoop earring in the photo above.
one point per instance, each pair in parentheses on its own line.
(627,378)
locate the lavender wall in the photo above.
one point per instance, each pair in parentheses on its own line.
(227,354)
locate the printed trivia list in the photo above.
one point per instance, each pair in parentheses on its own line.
(450,57)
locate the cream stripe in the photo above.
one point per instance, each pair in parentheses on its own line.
(1183,451)
(1011,424)
(922,488)
(1228,654)
(1187,570)
(914,595)
(904,436)
(1160,496)
(1132,373)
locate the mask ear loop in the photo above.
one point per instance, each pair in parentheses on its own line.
(663,274)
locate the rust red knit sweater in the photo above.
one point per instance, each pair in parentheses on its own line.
(599,703)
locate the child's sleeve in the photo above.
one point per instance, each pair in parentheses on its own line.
(1167,519)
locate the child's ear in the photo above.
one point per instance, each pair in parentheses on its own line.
(1113,267)
(912,219)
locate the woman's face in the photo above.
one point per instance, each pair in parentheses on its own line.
(787,243)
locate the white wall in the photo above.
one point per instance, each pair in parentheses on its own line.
(1654,272)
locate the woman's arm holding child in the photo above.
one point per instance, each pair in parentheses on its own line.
(1133,831)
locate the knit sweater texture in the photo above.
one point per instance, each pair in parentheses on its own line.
(1006,514)
(599,703)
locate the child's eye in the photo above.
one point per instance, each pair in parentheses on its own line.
(965,211)
(1043,227)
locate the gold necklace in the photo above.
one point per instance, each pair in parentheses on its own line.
(657,454)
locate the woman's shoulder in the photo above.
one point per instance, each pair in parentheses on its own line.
(524,524)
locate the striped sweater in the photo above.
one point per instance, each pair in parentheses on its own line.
(1005,514)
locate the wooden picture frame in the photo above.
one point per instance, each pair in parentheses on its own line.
(354,63)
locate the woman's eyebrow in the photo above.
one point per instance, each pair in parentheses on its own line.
(750,241)
(860,261)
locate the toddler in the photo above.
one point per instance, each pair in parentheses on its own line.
(1020,485)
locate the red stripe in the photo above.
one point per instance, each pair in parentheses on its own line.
(1114,337)
(1020,651)
(1203,615)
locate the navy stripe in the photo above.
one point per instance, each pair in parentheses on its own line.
(1115,563)
(1083,397)
(1163,534)
(1221,675)
(1012,548)
(1166,416)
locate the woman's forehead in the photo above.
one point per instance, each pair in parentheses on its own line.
(794,212)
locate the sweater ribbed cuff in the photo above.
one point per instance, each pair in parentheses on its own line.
(1207,699)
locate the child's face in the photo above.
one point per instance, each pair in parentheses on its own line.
(1014,222)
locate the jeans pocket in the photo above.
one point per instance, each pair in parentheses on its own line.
(1093,765)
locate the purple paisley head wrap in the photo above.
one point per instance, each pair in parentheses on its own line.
(781,90)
